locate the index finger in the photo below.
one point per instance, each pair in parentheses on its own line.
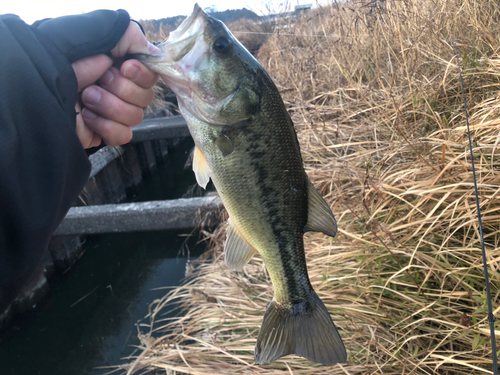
(134,41)
(139,74)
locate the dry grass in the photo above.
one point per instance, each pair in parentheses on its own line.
(377,105)
(251,34)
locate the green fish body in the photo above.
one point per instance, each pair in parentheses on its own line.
(246,143)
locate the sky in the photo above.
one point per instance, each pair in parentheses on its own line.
(32,10)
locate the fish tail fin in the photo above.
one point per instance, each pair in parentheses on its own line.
(305,329)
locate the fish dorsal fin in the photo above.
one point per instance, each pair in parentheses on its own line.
(201,168)
(237,251)
(320,218)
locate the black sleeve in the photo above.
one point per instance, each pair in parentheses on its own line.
(43,166)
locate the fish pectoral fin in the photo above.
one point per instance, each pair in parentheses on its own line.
(225,145)
(237,251)
(319,216)
(305,329)
(201,168)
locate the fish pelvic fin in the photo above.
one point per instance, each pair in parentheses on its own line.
(201,168)
(320,217)
(305,329)
(237,251)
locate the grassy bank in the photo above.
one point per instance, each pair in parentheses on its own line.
(375,96)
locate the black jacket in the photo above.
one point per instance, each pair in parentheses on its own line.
(43,166)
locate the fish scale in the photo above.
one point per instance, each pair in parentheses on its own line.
(246,143)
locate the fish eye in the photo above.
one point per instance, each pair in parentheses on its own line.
(222,46)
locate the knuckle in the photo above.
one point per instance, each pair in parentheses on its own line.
(120,136)
(116,110)
(126,135)
(139,117)
(133,116)
(129,91)
(106,130)
(149,97)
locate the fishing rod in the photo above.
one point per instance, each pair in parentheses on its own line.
(491,318)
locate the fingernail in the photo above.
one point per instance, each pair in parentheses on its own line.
(131,72)
(107,77)
(87,113)
(91,96)
(153,50)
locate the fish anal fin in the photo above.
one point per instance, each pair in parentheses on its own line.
(305,329)
(201,168)
(320,217)
(237,251)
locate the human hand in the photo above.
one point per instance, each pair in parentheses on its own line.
(108,109)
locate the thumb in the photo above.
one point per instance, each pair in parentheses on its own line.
(134,41)
(90,69)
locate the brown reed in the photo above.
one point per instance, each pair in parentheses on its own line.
(376,101)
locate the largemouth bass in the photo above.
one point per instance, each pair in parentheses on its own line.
(246,143)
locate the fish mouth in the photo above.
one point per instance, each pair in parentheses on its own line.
(184,52)
(173,64)
(181,40)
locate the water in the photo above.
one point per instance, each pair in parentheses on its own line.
(89,318)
